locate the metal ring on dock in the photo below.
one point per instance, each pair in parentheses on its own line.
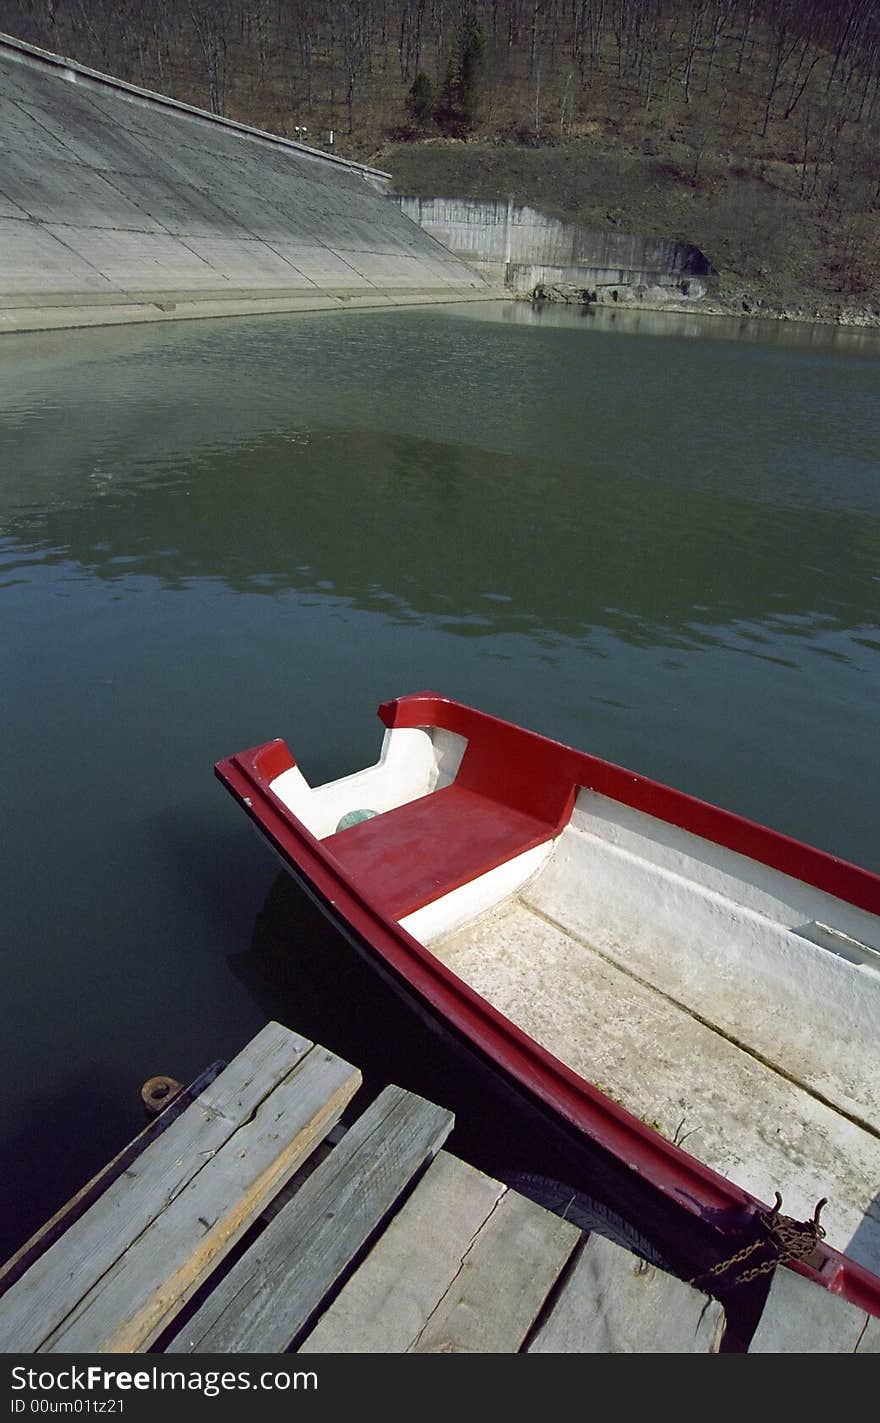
(157,1092)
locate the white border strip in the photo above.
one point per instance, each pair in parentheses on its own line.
(448,913)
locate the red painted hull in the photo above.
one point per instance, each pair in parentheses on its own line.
(541,784)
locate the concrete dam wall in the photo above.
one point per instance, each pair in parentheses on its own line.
(525,248)
(120,205)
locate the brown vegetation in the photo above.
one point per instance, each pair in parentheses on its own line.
(747,126)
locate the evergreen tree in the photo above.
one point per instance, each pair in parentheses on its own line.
(458,106)
(446,112)
(471,61)
(420,103)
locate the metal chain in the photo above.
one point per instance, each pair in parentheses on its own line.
(789,1240)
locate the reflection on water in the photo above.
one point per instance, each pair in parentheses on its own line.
(663,550)
(623,321)
(483,543)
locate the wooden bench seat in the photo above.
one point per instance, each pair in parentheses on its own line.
(416,853)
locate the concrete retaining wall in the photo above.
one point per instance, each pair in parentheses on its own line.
(120,205)
(520,246)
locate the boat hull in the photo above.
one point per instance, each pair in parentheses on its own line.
(693,1211)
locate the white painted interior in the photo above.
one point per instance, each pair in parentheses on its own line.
(462,905)
(678,1074)
(720,935)
(412,763)
(448,751)
(746,881)
(734,1008)
(786,971)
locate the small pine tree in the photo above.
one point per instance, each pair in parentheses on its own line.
(458,105)
(471,60)
(420,103)
(446,112)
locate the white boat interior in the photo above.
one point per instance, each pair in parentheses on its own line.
(732,1007)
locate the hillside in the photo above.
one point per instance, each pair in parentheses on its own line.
(749,127)
(752,231)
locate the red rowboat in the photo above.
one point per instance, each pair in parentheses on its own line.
(646,968)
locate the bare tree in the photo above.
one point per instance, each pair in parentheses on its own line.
(783,20)
(534,40)
(802,74)
(566,105)
(357,44)
(698,15)
(854,18)
(210,20)
(722,11)
(301,17)
(747,20)
(412,19)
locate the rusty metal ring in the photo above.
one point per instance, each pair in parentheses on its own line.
(157,1092)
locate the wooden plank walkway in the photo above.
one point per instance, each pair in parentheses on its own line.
(800,1319)
(115,1278)
(466,1266)
(371,1239)
(615,1303)
(273,1290)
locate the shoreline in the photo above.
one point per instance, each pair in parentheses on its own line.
(742,307)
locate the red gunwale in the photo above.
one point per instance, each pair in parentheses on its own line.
(681,1177)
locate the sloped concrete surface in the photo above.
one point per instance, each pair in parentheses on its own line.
(119,205)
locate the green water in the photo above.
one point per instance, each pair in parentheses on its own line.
(656,539)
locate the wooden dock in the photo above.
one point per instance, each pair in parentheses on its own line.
(245,1220)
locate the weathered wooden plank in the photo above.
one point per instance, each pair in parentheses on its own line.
(504,1280)
(385,1305)
(37,1303)
(801,1318)
(615,1303)
(79,1203)
(464,1267)
(271,1292)
(147,1286)
(297,1180)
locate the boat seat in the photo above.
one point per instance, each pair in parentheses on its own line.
(416,853)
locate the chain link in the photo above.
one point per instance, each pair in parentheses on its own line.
(788,1239)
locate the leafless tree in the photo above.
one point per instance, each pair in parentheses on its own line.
(412,19)
(357,44)
(783,20)
(210,20)
(695,34)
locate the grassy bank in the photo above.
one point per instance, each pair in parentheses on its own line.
(771,249)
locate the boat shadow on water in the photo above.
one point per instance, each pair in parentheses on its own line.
(302,971)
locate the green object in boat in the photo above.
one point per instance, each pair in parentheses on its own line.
(354,817)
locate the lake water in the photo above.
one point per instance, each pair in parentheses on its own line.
(656,538)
